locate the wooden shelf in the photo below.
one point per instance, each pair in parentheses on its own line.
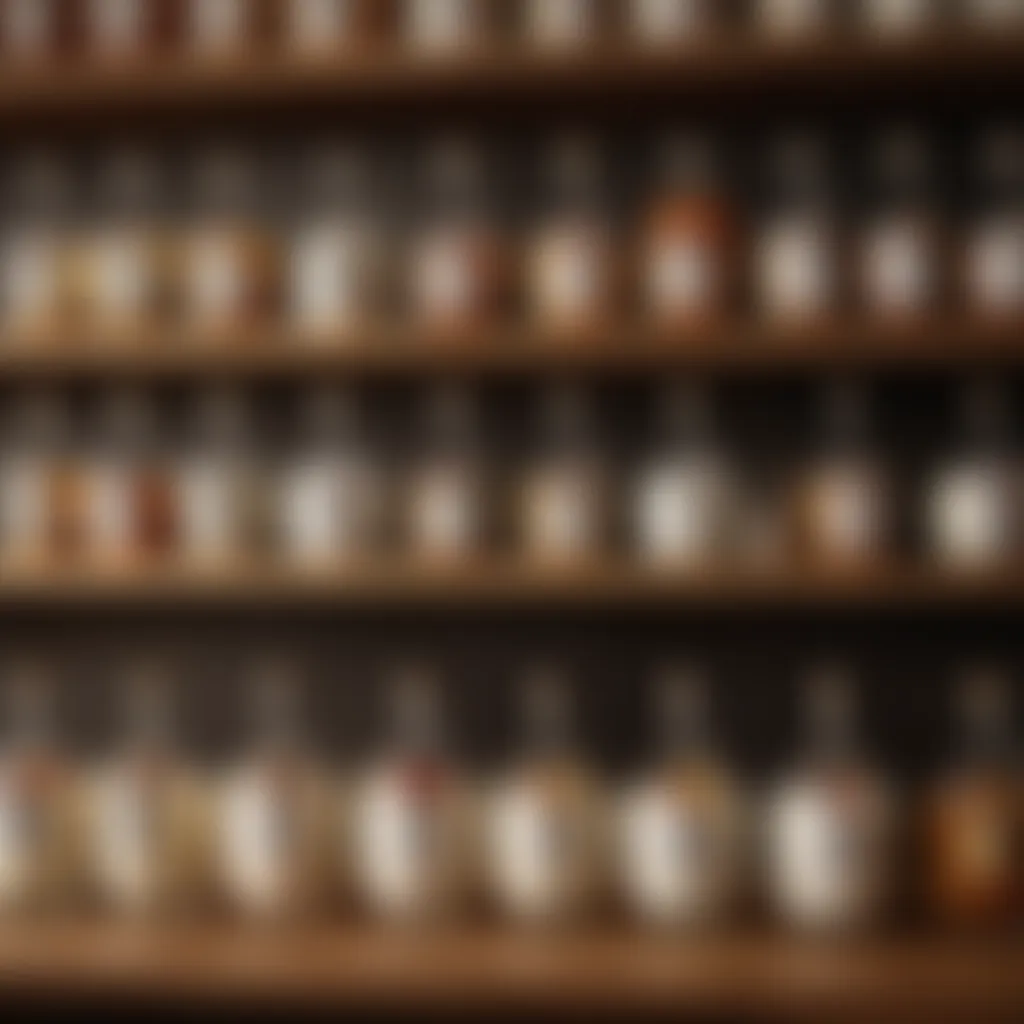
(750,976)
(511,582)
(742,348)
(729,64)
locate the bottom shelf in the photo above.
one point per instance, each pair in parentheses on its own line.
(751,975)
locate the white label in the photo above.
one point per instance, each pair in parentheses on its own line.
(972,513)
(569,277)
(446,517)
(117,24)
(320,24)
(682,278)
(996,266)
(122,277)
(796,268)
(897,268)
(663,21)
(209,505)
(329,267)
(678,515)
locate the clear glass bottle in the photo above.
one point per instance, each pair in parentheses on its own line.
(689,245)
(338,247)
(37,269)
(132,502)
(457,276)
(326,27)
(223,28)
(413,822)
(797,276)
(665,23)
(830,821)
(682,826)
(973,503)
(565,500)
(148,820)
(127,285)
(330,498)
(792,20)
(546,849)
(447,511)
(974,815)
(229,264)
(572,278)
(564,24)
(447,26)
(39,819)
(994,247)
(274,841)
(844,505)
(901,242)
(684,510)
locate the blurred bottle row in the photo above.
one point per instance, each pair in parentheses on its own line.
(414,835)
(229,243)
(204,28)
(122,487)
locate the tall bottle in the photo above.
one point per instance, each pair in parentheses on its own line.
(830,821)
(974,815)
(683,842)
(546,829)
(148,821)
(39,815)
(274,836)
(413,821)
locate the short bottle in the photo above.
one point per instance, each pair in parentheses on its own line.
(684,510)
(974,816)
(413,827)
(546,827)
(572,278)
(148,822)
(688,250)
(447,513)
(40,827)
(973,502)
(830,822)
(274,840)
(797,266)
(683,843)
(994,247)
(844,504)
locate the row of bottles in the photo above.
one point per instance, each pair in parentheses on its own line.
(329,253)
(414,837)
(133,28)
(122,487)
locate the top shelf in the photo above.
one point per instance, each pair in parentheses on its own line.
(723,66)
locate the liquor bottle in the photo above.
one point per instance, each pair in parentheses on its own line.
(830,821)
(682,841)
(413,820)
(546,848)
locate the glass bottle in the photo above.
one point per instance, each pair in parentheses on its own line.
(901,18)
(37,271)
(546,851)
(447,488)
(42,491)
(682,826)
(132,503)
(330,497)
(413,827)
(124,28)
(657,23)
(796,257)
(830,821)
(457,274)
(337,252)
(222,28)
(326,27)
(995,240)
(274,842)
(974,815)
(572,279)
(845,511)
(792,20)
(39,828)
(688,250)
(148,820)
(127,269)
(973,503)
(446,26)
(564,24)
(229,264)
(901,241)
(683,504)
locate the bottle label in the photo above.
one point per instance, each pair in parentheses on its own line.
(217,279)
(796,269)
(565,517)
(220,23)
(897,269)
(442,23)
(446,277)
(320,24)
(569,277)
(117,24)
(677,513)
(561,22)
(973,515)
(31,279)
(659,21)
(446,513)
(794,16)
(996,267)
(122,277)
(24,512)
(682,278)
(328,269)
(111,509)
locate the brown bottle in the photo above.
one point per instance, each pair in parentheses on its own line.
(974,818)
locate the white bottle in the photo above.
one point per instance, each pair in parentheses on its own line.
(413,842)
(275,811)
(829,823)
(682,842)
(546,851)
(148,821)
